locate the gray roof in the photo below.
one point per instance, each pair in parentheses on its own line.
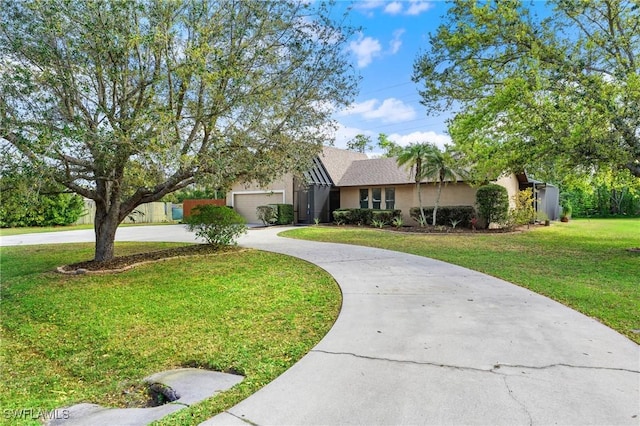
(336,161)
(379,171)
(376,171)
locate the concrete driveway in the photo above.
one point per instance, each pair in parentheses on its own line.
(420,341)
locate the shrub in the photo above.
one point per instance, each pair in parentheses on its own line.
(493,203)
(386,216)
(398,222)
(268,215)
(523,213)
(45,210)
(447,215)
(284,213)
(342,216)
(217,225)
(364,216)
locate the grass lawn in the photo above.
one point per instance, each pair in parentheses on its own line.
(92,338)
(583,264)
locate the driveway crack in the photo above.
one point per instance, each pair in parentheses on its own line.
(247,421)
(520,403)
(493,370)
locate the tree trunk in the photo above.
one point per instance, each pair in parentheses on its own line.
(435,208)
(105,225)
(424,219)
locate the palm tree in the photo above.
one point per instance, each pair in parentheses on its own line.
(415,157)
(441,166)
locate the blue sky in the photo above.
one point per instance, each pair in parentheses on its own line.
(393,34)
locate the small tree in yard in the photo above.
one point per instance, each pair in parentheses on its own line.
(523,213)
(493,203)
(217,225)
(415,157)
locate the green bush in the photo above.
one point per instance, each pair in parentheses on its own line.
(364,216)
(217,225)
(268,215)
(493,203)
(523,213)
(460,215)
(45,210)
(284,213)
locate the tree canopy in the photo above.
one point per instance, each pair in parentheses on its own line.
(125,102)
(548,94)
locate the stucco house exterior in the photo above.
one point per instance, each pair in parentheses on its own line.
(346,179)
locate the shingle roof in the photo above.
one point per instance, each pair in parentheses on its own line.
(337,161)
(375,171)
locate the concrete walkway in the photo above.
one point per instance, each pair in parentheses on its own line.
(420,341)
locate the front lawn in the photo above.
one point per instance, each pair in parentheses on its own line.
(92,338)
(584,264)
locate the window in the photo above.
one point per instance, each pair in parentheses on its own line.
(376,197)
(364,198)
(390,198)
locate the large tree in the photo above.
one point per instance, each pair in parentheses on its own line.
(125,102)
(546,94)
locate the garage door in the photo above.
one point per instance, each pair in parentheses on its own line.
(246,204)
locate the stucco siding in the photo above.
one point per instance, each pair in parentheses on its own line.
(510,182)
(406,196)
(281,185)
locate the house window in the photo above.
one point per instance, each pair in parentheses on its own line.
(390,198)
(364,198)
(376,197)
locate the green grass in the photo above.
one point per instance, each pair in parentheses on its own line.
(92,338)
(583,264)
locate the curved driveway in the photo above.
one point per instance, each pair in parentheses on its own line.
(419,341)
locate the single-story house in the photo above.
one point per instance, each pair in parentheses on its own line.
(345,179)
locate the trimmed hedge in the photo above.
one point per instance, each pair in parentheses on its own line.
(276,214)
(284,213)
(364,216)
(446,214)
(493,203)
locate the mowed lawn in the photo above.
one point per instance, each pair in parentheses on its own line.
(93,338)
(584,264)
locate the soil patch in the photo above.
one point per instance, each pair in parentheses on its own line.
(125,262)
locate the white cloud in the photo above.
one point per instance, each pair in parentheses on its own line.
(440,140)
(344,134)
(395,43)
(391,110)
(393,8)
(417,7)
(365,49)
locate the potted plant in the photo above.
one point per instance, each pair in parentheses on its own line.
(566,212)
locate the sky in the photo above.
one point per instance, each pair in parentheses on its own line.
(393,34)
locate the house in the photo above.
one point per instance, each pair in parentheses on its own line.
(345,179)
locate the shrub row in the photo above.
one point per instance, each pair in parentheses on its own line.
(446,215)
(275,214)
(46,210)
(364,216)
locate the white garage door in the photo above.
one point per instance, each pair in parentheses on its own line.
(246,204)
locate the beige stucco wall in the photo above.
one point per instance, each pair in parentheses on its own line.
(510,182)
(459,194)
(284,183)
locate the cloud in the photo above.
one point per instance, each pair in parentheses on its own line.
(440,140)
(417,7)
(344,134)
(395,43)
(393,8)
(365,49)
(391,110)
